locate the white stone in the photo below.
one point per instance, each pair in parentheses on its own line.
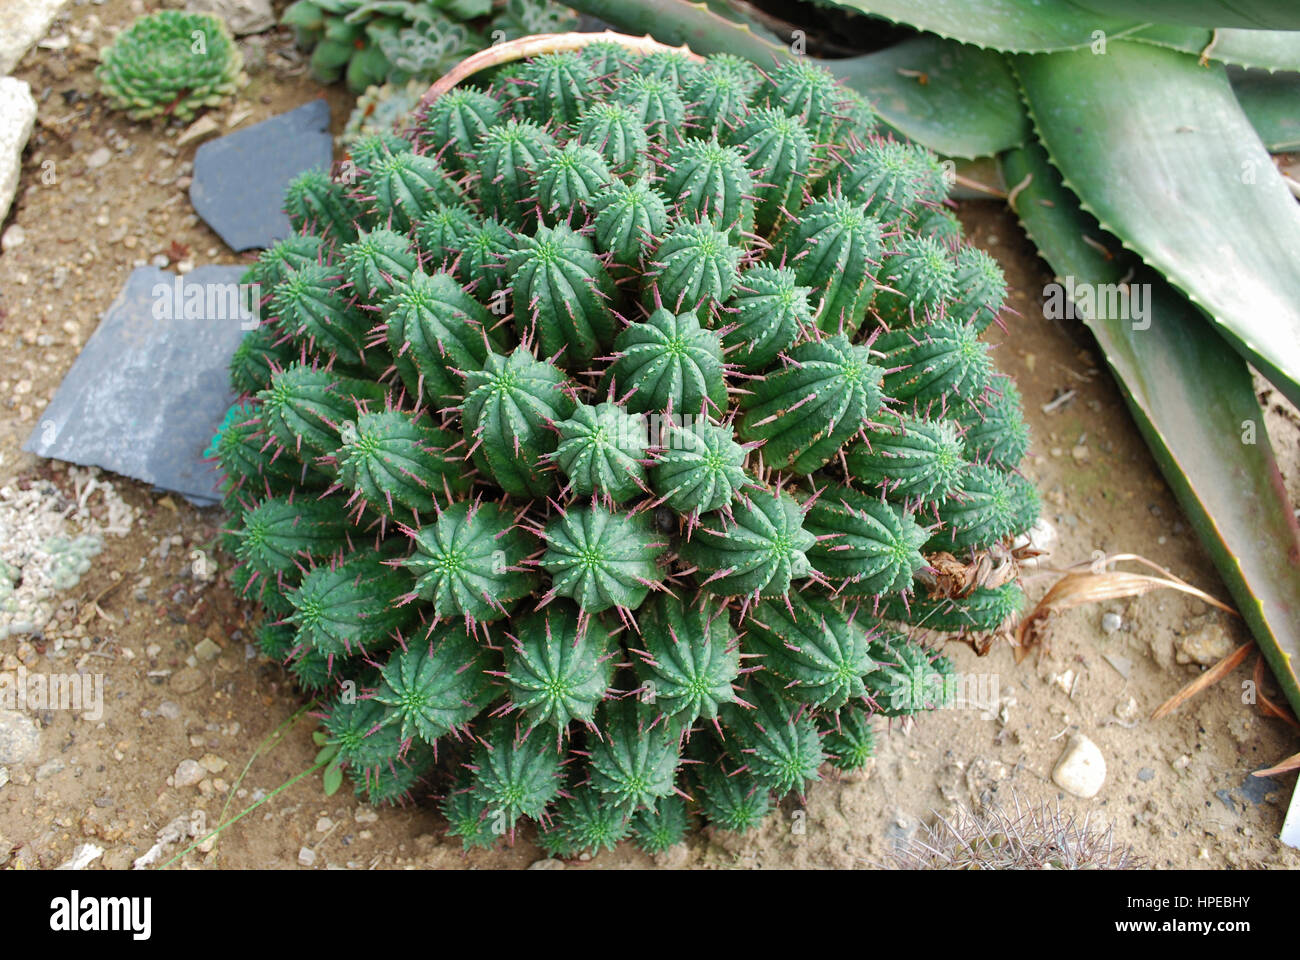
(1081,769)
(15,236)
(25,22)
(20,738)
(205,649)
(188,773)
(82,857)
(306,856)
(1111,621)
(17,117)
(204,126)
(242,16)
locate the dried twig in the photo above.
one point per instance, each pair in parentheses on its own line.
(1208,678)
(1079,587)
(525,47)
(1267,706)
(1286,766)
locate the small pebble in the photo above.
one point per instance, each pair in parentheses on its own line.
(15,236)
(1111,621)
(188,773)
(306,857)
(49,768)
(1081,769)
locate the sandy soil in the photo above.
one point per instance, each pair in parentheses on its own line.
(1178,790)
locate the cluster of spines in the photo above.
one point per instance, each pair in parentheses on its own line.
(602,426)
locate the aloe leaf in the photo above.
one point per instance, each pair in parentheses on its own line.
(1158,149)
(1195,405)
(694,24)
(1272,104)
(1045,26)
(1263,49)
(1013,26)
(1249,14)
(956,99)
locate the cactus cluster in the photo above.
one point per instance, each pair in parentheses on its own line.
(393,41)
(576,463)
(170,63)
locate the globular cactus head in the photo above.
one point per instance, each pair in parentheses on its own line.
(584,438)
(170,63)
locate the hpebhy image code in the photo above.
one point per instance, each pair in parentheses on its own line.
(75,913)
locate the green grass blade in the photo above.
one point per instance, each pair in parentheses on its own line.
(1158,149)
(1192,399)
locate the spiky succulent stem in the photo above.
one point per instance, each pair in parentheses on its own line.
(607,433)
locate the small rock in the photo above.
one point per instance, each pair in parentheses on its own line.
(212,763)
(1146,774)
(17,118)
(324,825)
(205,649)
(550,864)
(306,857)
(365,815)
(99,158)
(246,211)
(20,738)
(204,126)
(187,680)
(1065,681)
(1206,646)
(15,236)
(169,709)
(125,407)
(1111,621)
(188,773)
(1123,665)
(242,16)
(1081,769)
(4,776)
(50,768)
(82,857)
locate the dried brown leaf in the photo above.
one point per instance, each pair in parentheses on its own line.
(1208,678)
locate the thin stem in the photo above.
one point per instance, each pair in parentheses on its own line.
(534,46)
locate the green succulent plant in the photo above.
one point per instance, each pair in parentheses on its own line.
(581,489)
(368,43)
(1072,101)
(170,63)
